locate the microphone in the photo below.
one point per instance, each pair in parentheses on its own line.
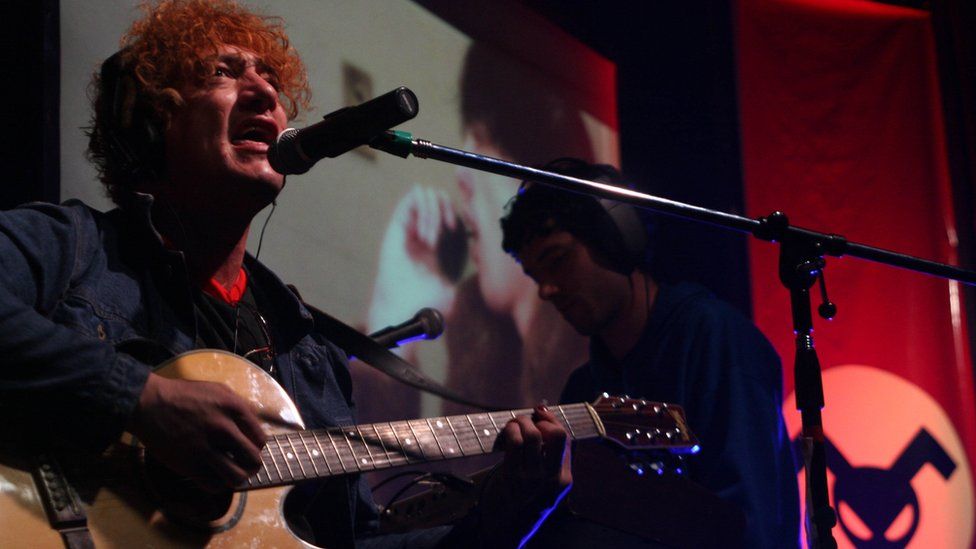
(296,151)
(426,324)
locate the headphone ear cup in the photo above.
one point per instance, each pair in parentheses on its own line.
(132,131)
(631,233)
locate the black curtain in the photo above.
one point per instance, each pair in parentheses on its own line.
(31,59)
(678,123)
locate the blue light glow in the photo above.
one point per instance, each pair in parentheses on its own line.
(542,518)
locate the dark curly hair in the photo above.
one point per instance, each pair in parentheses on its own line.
(172,45)
(538,210)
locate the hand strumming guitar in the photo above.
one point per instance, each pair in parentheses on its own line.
(199,429)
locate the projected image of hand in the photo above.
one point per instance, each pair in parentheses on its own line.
(421,257)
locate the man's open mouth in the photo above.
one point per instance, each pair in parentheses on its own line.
(254,134)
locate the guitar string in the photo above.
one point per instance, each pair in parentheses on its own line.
(423,437)
(571,413)
(575,413)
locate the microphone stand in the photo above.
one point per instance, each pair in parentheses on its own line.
(801,264)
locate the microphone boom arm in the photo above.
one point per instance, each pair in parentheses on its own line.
(773,228)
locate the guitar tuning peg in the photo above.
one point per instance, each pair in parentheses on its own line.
(658,467)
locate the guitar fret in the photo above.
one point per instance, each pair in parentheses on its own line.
(352,451)
(420,443)
(493,424)
(348,436)
(584,424)
(430,439)
(402,443)
(566,422)
(469,436)
(322,452)
(474,430)
(274,462)
(304,457)
(485,433)
(400,450)
(370,461)
(297,455)
(281,451)
(256,478)
(311,453)
(437,441)
(379,438)
(456,439)
(338,454)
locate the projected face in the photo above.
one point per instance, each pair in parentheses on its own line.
(483,197)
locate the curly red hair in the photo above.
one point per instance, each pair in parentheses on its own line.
(174,44)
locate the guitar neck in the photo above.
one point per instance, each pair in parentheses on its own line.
(306,455)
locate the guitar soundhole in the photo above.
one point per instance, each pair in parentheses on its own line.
(182,501)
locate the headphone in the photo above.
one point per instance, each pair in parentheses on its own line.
(132,130)
(631,232)
(621,234)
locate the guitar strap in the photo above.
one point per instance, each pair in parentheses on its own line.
(377,356)
(64,510)
(77,538)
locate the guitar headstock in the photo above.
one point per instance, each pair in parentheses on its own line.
(637,424)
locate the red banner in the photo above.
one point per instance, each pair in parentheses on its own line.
(842,129)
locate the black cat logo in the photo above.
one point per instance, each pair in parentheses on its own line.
(878,496)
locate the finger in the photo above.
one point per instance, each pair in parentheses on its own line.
(244,436)
(543,413)
(433,218)
(249,424)
(423,216)
(531,450)
(510,441)
(510,437)
(226,469)
(226,437)
(555,442)
(448,216)
(412,204)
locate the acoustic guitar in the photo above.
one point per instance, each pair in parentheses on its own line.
(125,499)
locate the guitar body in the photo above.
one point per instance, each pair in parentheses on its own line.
(124,507)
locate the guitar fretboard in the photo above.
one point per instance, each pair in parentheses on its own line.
(305,455)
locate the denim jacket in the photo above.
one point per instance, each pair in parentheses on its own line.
(90,301)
